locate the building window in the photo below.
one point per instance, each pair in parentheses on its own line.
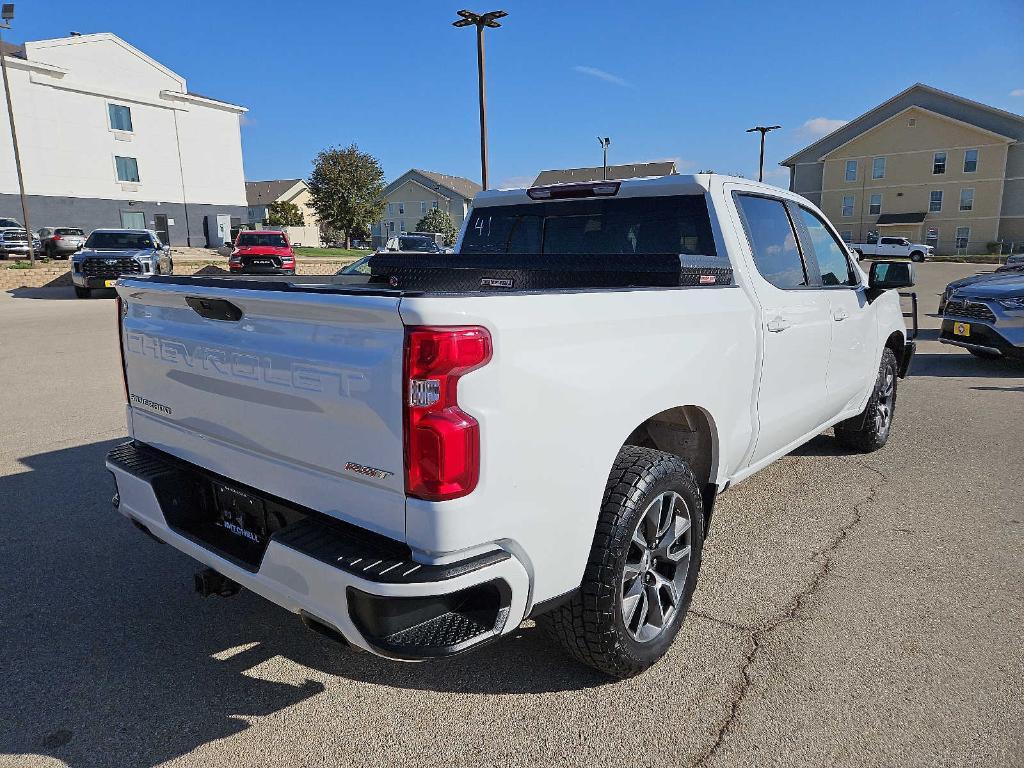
(391,226)
(932,238)
(133,219)
(939,163)
(851,170)
(847,235)
(963,237)
(391,209)
(433,204)
(911,122)
(935,201)
(127,168)
(401,209)
(847,206)
(423,206)
(970,161)
(967,199)
(401,226)
(120,117)
(875,205)
(878,168)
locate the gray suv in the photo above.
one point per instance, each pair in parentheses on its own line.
(987,318)
(110,253)
(61,242)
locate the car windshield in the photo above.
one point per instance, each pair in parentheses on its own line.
(119,240)
(676,224)
(361,267)
(262,239)
(70,232)
(9,223)
(416,244)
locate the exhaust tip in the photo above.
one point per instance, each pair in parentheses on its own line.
(208,582)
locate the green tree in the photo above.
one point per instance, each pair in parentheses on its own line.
(437,220)
(284,215)
(346,190)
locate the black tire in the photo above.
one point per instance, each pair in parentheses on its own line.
(917,256)
(860,254)
(82,293)
(982,354)
(591,627)
(870,430)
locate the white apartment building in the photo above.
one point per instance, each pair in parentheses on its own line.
(111,138)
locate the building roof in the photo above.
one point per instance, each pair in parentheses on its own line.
(901,218)
(463,186)
(270,191)
(634,171)
(920,95)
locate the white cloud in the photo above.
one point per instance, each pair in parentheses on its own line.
(820,126)
(600,74)
(1017,92)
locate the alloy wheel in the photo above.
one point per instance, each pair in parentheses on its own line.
(657,563)
(886,401)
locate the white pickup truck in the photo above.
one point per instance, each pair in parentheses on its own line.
(893,248)
(420,460)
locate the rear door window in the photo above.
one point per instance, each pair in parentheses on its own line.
(773,241)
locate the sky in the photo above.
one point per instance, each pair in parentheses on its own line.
(664,80)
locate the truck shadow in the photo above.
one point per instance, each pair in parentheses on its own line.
(109,657)
(959,364)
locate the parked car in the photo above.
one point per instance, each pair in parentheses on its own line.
(14,240)
(978,278)
(986,317)
(1013,262)
(262,252)
(417,464)
(109,254)
(418,242)
(894,248)
(61,242)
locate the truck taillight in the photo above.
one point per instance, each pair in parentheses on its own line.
(122,308)
(442,442)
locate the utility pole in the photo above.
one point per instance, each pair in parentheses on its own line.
(762,129)
(481,20)
(7,16)
(604,147)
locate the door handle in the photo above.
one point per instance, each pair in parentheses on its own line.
(778,324)
(840,314)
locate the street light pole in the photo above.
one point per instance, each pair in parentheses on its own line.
(7,15)
(762,129)
(604,147)
(481,20)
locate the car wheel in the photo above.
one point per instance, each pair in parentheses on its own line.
(82,293)
(917,256)
(642,568)
(870,430)
(984,354)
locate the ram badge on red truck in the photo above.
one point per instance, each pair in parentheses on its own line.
(536,425)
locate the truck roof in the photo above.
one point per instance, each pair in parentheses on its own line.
(676,184)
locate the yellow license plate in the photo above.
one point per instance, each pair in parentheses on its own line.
(109,283)
(961,329)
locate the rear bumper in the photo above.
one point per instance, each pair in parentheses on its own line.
(365,587)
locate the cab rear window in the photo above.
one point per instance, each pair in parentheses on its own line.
(677,224)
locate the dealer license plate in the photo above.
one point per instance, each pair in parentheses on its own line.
(961,329)
(109,283)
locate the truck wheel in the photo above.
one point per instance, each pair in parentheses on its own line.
(917,256)
(869,431)
(860,254)
(642,568)
(82,293)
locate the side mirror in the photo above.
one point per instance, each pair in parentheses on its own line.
(887,275)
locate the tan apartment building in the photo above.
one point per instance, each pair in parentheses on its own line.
(260,194)
(409,197)
(927,165)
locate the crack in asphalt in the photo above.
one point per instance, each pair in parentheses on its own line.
(756,636)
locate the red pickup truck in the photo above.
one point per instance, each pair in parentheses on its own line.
(262,252)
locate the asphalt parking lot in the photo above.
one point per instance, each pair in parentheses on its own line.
(852,610)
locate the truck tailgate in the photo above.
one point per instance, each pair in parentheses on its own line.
(299,397)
